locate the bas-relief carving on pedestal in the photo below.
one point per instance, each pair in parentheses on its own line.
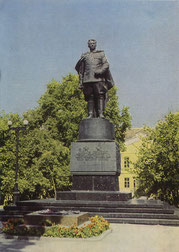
(84,154)
(88,158)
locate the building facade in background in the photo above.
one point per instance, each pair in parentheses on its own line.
(127,179)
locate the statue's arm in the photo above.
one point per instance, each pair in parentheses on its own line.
(104,65)
(79,63)
(80,69)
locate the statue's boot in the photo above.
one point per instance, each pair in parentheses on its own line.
(90,108)
(101,107)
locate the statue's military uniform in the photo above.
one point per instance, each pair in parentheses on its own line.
(95,65)
(94,62)
(94,79)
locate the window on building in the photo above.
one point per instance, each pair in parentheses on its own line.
(126,162)
(126,182)
(134,182)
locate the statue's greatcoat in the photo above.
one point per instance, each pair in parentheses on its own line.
(94,67)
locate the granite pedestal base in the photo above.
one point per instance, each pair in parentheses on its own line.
(95,157)
(95,183)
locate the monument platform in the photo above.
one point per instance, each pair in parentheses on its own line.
(135,211)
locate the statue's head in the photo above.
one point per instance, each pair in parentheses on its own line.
(92,44)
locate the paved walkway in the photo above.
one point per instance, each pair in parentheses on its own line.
(123,238)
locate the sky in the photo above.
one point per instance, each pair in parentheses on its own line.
(43,39)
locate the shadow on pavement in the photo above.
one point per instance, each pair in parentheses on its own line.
(14,244)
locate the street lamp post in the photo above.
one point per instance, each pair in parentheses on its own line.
(16,193)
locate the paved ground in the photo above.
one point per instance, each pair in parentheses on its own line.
(123,238)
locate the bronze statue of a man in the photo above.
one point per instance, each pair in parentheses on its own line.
(95,79)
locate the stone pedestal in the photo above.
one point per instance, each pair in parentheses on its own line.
(95,157)
(96,129)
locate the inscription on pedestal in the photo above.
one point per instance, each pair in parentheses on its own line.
(95,158)
(86,155)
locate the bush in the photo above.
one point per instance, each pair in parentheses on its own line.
(17,227)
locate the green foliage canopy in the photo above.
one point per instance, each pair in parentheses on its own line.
(157,167)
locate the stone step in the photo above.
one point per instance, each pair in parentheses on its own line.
(136,215)
(144,221)
(91,209)
(15,212)
(12,207)
(5,217)
(94,196)
(88,203)
(113,213)
(127,210)
(25,210)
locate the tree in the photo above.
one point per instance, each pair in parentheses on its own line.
(43,162)
(44,148)
(120,118)
(62,107)
(157,167)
